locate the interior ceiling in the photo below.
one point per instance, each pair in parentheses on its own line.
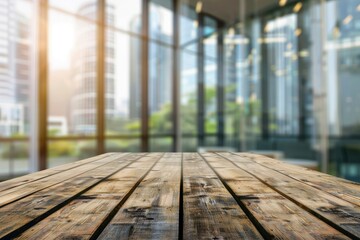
(229,10)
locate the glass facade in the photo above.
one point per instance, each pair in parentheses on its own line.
(180,75)
(17,85)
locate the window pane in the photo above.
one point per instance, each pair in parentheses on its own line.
(188,24)
(72,68)
(210,26)
(125,14)
(189,76)
(123,84)
(123,145)
(210,96)
(17,83)
(282,75)
(14,159)
(161,144)
(161,20)
(17,59)
(84,8)
(189,144)
(66,151)
(160,88)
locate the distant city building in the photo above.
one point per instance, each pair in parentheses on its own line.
(343,58)
(15,67)
(84,110)
(58,126)
(135,73)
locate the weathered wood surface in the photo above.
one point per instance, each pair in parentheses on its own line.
(179,196)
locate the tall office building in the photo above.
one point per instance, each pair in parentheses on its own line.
(348,61)
(15,67)
(135,74)
(84,110)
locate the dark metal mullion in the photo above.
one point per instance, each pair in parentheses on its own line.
(220,87)
(201,84)
(264,90)
(301,83)
(145,78)
(175,86)
(42,84)
(101,78)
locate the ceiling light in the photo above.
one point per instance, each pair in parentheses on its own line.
(231,31)
(348,19)
(358,8)
(198,7)
(267,28)
(298,32)
(297,7)
(282,3)
(336,32)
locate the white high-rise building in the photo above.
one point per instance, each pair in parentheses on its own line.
(84,111)
(15,68)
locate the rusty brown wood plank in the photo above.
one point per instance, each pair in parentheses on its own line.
(210,211)
(29,178)
(83,217)
(344,189)
(152,210)
(278,216)
(22,214)
(16,193)
(340,214)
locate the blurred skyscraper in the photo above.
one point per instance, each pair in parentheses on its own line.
(83,110)
(15,69)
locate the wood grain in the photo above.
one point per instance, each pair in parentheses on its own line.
(344,189)
(210,212)
(279,217)
(23,180)
(179,196)
(82,217)
(18,192)
(152,211)
(20,215)
(340,214)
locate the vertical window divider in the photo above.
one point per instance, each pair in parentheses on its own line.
(42,84)
(265,133)
(176,85)
(145,78)
(101,78)
(220,86)
(201,83)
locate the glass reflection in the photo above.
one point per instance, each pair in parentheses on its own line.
(72,68)
(124,14)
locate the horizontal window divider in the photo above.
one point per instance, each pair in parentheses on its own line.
(14,139)
(69,138)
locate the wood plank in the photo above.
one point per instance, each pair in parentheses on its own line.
(278,216)
(82,217)
(16,193)
(210,211)
(32,177)
(344,189)
(151,212)
(338,213)
(20,215)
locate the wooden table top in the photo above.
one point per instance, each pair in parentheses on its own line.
(179,196)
